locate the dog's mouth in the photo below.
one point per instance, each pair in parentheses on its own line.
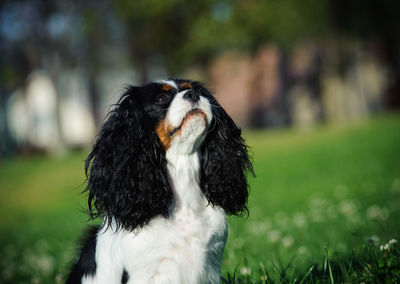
(189,115)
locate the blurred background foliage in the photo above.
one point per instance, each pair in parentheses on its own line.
(294,62)
(327,71)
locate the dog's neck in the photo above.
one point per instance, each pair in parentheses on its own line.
(184,177)
(183,163)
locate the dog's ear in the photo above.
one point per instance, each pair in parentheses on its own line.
(126,170)
(225,162)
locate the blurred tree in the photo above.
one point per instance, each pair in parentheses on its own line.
(155,29)
(174,34)
(14,68)
(377,22)
(250,24)
(54,36)
(93,36)
(22,43)
(193,32)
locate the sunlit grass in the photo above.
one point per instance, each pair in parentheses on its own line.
(318,203)
(332,189)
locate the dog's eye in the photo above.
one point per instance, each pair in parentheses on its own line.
(163,99)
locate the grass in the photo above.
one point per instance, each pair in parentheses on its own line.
(322,205)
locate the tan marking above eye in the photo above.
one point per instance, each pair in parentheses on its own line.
(185,86)
(166,88)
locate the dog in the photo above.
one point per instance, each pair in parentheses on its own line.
(166,168)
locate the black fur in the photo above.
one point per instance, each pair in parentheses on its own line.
(86,264)
(127,167)
(225,161)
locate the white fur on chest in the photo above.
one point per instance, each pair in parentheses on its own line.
(187,247)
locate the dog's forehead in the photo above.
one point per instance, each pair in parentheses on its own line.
(149,92)
(174,85)
(167,85)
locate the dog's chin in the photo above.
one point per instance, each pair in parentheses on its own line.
(194,117)
(191,133)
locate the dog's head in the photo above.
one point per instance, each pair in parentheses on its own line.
(127,172)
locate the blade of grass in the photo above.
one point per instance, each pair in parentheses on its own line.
(307,274)
(327,262)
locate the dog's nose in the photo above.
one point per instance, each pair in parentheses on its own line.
(191,95)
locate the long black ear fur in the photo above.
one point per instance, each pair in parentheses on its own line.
(225,161)
(127,175)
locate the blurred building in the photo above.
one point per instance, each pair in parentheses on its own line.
(309,85)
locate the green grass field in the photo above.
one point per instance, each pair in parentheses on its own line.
(322,204)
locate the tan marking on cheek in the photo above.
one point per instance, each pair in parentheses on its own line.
(163,130)
(163,133)
(166,88)
(185,86)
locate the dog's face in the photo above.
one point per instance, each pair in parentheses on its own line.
(180,112)
(127,168)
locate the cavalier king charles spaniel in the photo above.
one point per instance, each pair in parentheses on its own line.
(165,169)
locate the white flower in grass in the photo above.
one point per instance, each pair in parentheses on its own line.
(287,241)
(45,263)
(317,209)
(387,246)
(318,202)
(348,208)
(374,212)
(259,228)
(245,270)
(264,277)
(374,239)
(302,250)
(384,247)
(274,236)
(299,220)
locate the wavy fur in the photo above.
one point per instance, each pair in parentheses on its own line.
(225,162)
(127,176)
